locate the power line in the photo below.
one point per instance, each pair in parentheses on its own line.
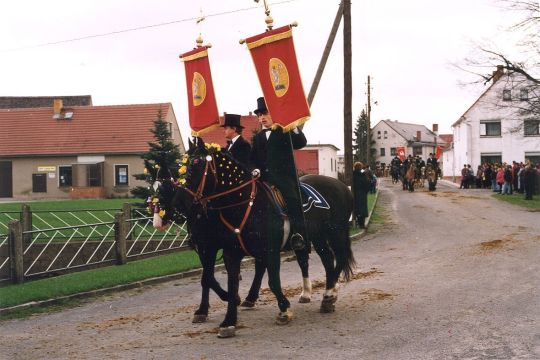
(139,28)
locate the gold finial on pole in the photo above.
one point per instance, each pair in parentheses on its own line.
(199,39)
(268,20)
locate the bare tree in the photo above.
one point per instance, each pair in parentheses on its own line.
(527,67)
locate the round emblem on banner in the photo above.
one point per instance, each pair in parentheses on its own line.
(198,89)
(279,76)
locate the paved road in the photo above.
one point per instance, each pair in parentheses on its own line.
(451,275)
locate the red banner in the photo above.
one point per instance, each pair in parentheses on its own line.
(203,111)
(275,62)
(438,152)
(400,151)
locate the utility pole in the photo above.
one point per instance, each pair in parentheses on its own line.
(326,53)
(347,93)
(368,127)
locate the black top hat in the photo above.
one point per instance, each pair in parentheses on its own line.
(261,106)
(232,120)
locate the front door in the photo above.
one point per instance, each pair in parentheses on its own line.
(6,179)
(39,183)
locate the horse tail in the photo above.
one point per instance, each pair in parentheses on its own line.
(350,263)
(345,262)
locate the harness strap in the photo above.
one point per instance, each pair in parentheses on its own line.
(238,231)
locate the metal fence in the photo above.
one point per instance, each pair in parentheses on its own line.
(35,246)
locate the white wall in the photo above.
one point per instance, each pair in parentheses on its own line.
(328,161)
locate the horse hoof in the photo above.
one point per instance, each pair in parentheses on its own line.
(327,307)
(327,304)
(226,332)
(304,300)
(248,304)
(284,317)
(199,318)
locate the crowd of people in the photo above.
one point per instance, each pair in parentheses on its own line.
(522,178)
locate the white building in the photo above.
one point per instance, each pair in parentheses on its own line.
(320,159)
(493,129)
(417,139)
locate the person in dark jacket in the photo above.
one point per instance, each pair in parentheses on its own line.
(237,146)
(529,180)
(272,155)
(361,186)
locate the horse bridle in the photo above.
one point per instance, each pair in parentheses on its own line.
(199,198)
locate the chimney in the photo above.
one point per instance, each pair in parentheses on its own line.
(498,73)
(418,135)
(435,128)
(57,108)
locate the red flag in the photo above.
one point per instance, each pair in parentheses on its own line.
(275,62)
(438,152)
(401,152)
(203,111)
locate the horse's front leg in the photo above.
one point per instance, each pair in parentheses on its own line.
(208,281)
(302,257)
(228,327)
(253,294)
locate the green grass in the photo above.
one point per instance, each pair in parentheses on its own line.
(69,284)
(69,204)
(519,199)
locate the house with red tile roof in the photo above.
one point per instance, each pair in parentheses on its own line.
(76,151)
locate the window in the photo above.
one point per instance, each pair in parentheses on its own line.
(490,158)
(39,183)
(385,134)
(120,175)
(417,150)
(531,127)
(534,158)
(170,129)
(383,151)
(378,134)
(94,175)
(65,176)
(491,128)
(392,151)
(507,95)
(523,94)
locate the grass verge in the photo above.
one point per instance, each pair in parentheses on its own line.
(519,199)
(74,283)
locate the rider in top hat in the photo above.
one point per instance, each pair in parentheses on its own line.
(272,154)
(237,146)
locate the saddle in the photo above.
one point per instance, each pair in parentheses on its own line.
(309,195)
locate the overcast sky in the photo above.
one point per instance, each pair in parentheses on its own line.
(408,48)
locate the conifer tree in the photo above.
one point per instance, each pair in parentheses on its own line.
(160,161)
(360,138)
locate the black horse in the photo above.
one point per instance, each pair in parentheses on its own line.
(227,208)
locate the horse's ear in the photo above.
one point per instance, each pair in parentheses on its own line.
(200,144)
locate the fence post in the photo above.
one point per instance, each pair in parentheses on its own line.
(126,209)
(26,220)
(16,251)
(120,237)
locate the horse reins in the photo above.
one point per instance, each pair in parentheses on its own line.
(203,200)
